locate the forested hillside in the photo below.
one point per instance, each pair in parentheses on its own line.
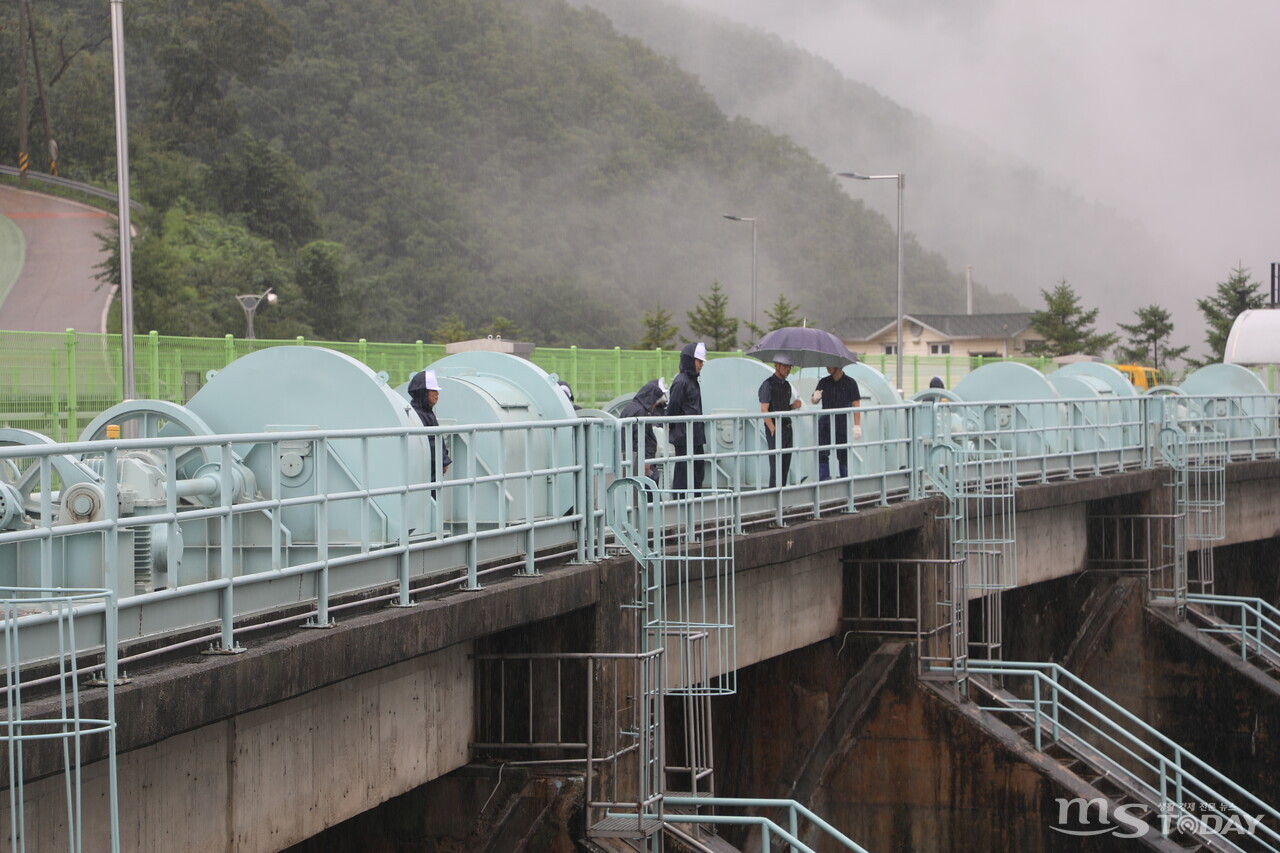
(967,200)
(387,164)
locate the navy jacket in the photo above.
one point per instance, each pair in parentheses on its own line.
(686,399)
(418,399)
(640,407)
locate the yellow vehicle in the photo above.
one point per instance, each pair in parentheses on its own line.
(1140,376)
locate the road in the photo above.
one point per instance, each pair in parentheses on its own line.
(47,254)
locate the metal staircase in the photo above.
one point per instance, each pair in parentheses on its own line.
(1178,796)
(1249,626)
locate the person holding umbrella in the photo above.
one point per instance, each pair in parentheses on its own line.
(802,346)
(836,391)
(777,395)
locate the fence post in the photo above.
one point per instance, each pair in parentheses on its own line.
(421,352)
(55,422)
(73,416)
(153,342)
(947,371)
(573,366)
(915,372)
(617,364)
(229,349)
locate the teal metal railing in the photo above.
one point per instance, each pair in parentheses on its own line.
(794,814)
(1252,622)
(81,736)
(480,514)
(1182,788)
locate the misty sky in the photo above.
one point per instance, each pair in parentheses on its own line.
(1161,108)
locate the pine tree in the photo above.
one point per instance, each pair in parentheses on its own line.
(449,330)
(659,331)
(710,321)
(1149,339)
(503,328)
(1068,329)
(784,313)
(1234,295)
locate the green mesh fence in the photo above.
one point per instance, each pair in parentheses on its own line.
(56,383)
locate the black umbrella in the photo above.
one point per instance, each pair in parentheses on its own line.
(805,348)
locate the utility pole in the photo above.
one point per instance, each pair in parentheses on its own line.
(51,147)
(24,159)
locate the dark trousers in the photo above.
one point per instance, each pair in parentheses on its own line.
(772,439)
(824,441)
(680,478)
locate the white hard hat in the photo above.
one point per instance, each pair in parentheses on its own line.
(430,381)
(783,358)
(662,386)
(700,352)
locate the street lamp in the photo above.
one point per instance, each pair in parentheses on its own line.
(122,198)
(250,303)
(902,180)
(752,220)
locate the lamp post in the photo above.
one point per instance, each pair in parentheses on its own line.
(902,180)
(752,220)
(250,303)
(122,198)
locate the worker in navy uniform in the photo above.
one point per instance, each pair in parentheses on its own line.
(568,393)
(777,395)
(686,399)
(649,402)
(424,393)
(836,391)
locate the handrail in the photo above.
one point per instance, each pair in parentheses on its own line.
(887,464)
(794,809)
(1263,636)
(1177,768)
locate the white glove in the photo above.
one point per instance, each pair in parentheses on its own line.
(816,398)
(857,432)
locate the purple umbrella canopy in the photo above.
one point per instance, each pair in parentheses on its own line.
(805,348)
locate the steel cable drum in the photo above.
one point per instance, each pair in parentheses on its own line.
(884,432)
(731,386)
(1104,411)
(481,388)
(1241,407)
(293,388)
(996,395)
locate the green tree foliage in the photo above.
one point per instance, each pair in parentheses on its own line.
(188,270)
(320,271)
(1149,339)
(659,331)
(475,156)
(266,190)
(503,328)
(1238,293)
(199,48)
(784,313)
(1067,328)
(450,329)
(710,322)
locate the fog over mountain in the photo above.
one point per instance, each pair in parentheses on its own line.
(1145,120)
